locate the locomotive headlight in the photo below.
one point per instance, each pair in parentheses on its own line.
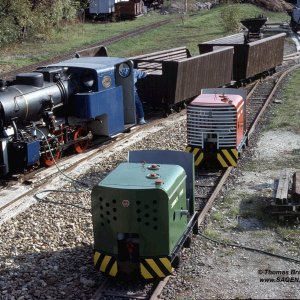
(88,80)
(106,81)
(124,70)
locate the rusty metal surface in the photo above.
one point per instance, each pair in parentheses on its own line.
(251,58)
(129,9)
(174,76)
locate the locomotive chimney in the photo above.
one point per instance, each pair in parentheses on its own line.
(254,28)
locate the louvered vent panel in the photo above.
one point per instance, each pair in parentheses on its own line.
(203,121)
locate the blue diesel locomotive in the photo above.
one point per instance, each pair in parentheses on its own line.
(62,105)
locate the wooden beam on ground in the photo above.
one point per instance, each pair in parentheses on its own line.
(283,188)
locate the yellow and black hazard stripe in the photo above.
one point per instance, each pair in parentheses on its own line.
(105,263)
(228,157)
(158,267)
(198,154)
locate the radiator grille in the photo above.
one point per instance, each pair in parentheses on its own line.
(211,124)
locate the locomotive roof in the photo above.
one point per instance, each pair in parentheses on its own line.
(217,99)
(136,176)
(91,62)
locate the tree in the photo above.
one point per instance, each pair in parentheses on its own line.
(230,17)
(27,18)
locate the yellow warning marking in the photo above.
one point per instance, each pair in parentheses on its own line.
(188,149)
(228,156)
(114,269)
(195,151)
(155,268)
(199,159)
(166,262)
(221,160)
(145,272)
(96,257)
(105,263)
(234,151)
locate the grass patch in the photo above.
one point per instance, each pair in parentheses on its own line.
(289,234)
(271,249)
(73,36)
(194,29)
(289,160)
(254,165)
(228,200)
(286,114)
(187,31)
(234,212)
(212,233)
(228,252)
(216,216)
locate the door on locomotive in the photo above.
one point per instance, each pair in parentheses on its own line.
(216,125)
(142,214)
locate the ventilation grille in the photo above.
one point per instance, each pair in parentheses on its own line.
(205,122)
(147,214)
(108,211)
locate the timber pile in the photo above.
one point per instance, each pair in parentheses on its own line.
(287,201)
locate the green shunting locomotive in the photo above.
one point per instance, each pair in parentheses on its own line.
(143,214)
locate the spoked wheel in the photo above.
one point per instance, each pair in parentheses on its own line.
(52,150)
(82,145)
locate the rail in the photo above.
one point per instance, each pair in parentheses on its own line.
(71,54)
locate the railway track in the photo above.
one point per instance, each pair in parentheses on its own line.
(208,186)
(71,54)
(20,195)
(207,190)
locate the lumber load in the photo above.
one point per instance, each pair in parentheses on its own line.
(283,188)
(286,205)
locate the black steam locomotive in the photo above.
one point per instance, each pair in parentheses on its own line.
(62,105)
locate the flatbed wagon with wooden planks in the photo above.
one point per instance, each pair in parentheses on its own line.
(286,204)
